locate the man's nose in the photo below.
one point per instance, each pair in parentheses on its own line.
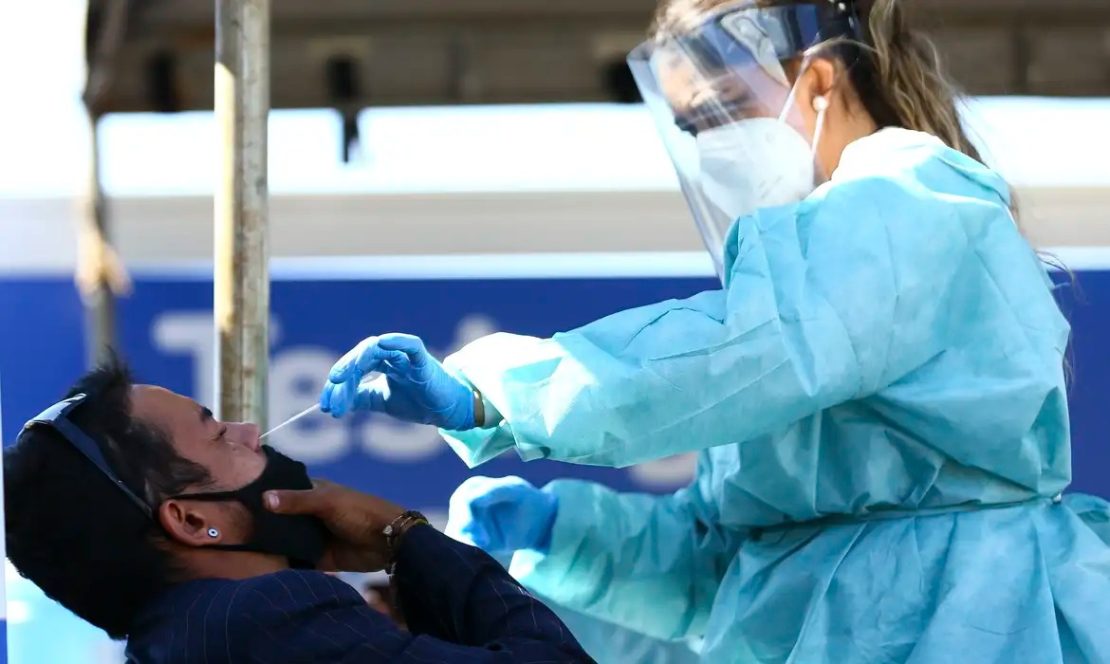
(247,433)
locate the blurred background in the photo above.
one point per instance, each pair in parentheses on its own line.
(450,168)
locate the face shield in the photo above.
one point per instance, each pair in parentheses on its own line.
(725,107)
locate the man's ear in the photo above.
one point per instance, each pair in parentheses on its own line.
(191,523)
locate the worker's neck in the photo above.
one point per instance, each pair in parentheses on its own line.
(855,127)
(215,564)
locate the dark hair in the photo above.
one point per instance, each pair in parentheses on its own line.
(73,533)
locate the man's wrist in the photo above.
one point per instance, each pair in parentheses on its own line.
(395,532)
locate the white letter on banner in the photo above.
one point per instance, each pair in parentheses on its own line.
(472,328)
(400,442)
(403,442)
(296,376)
(191,333)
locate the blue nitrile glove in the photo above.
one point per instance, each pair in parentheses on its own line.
(414,386)
(502,515)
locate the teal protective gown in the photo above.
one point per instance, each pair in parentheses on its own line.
(878,397)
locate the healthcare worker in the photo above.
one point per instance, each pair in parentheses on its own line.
(877,392)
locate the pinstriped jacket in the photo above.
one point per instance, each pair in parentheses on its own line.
(460,605)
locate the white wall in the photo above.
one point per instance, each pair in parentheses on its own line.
(38,234)
(501,180)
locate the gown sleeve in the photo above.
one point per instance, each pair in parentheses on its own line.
(825,302)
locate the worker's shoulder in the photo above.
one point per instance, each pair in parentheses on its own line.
(885,206)
(895,183)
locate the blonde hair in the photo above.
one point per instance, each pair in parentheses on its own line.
(896,70)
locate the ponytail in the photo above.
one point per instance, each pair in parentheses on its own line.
(901,80)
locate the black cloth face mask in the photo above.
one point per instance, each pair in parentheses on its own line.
(301,539)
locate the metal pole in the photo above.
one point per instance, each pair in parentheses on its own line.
(242,282)
(100,273)
(93,267)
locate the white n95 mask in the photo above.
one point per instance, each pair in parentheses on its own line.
(712,83)
(753,164)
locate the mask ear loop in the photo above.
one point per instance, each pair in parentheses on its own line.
(791,97)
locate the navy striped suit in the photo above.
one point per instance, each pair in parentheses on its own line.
(460,605)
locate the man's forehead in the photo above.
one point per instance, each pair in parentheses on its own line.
(161,406)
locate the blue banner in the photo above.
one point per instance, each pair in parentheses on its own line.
(3,548)
(167,336)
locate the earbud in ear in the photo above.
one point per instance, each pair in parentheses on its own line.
(213,533)
(820,103)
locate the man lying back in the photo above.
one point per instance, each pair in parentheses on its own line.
(141,513)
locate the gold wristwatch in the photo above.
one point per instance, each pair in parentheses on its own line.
(396,530)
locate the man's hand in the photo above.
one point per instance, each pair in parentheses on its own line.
(355,521)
